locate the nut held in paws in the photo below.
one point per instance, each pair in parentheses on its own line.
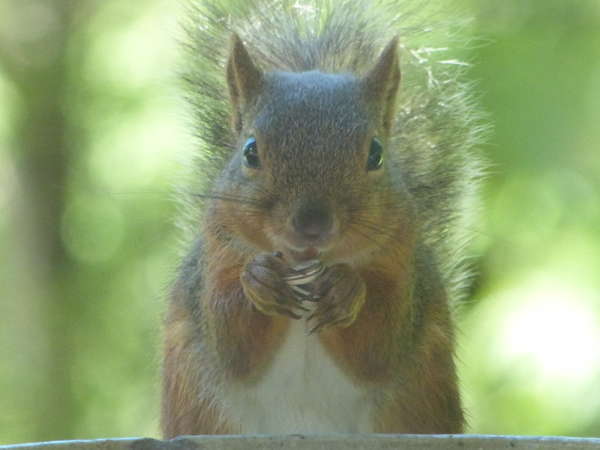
(302,275)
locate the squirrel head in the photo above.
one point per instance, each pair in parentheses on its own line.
(310,172)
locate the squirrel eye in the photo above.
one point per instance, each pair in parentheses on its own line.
(250,152)
(375,160)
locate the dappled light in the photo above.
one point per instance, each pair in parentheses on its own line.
(94,140)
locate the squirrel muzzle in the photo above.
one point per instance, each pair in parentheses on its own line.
(312,228)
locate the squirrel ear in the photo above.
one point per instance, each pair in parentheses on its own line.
(243,77)
(382,81)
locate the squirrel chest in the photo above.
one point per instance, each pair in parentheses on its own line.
(302,391)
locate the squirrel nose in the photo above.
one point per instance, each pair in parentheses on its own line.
(313,222)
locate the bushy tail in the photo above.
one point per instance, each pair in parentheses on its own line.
(437,124)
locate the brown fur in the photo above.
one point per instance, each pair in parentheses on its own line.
(186,405)
(428,400)
(242,340)
(393,335)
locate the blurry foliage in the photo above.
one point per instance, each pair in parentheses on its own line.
(531,337)
(89,143)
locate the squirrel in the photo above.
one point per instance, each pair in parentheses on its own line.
(320,151)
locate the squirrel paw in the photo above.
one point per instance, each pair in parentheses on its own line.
(263,284)
(342,294)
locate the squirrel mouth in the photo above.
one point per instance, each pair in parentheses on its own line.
(298,256)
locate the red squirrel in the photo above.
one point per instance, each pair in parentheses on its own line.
(329,166)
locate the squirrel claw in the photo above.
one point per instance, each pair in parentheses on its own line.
(290,314)
(322,326)
(316,329)
(263,285)
(301,308)
(343,294)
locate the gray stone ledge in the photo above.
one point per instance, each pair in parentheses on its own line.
(323,442)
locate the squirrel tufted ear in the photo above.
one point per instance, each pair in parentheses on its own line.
(244,79)
(382,81)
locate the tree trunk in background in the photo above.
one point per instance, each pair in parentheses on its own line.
(36,62)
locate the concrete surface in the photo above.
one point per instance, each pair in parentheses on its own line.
(322,442)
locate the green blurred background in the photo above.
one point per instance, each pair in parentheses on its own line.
(92,132)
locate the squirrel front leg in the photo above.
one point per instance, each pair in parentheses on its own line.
(248,308)
(213,324)
(342,294)
(363,330)
(402,341)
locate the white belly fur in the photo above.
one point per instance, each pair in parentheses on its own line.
(302,392)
